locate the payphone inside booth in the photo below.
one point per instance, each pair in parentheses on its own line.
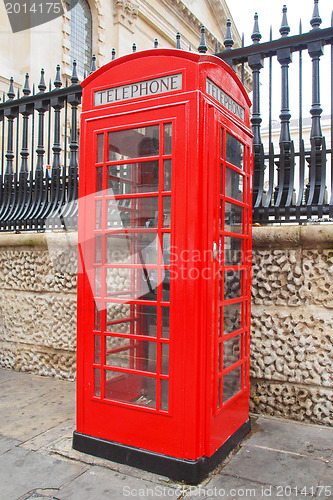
(164,247)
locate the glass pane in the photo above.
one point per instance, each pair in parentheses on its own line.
(232,318)
(221,151)
(219,358)
(232,284)
(165,395)
(166,211)
(133,178)
(167,175)
(165,323)
(120,352)
(100,148)
(146,356)
(133,143)
(130,388)
(98,217)
(233,218)
(218,393)
(232,251)
(231,351)
(146,320)
(119,318)
(98,281)
(166,249)
(97,345)
(166,286)
(132,212)
(97,382)
(168,138)
(234,151)
(132,248)
(97,322)
(99,179)
(231,384)
(233,184)
(98,249)
(165,359)
(131,284)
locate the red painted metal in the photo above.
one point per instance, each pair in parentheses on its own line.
(194,417)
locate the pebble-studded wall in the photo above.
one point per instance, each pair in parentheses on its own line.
(292,315)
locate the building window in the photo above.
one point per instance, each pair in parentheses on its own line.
(81,37)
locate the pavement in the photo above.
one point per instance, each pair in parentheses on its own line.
(279,459)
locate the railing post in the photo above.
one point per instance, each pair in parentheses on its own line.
(256,63)
(315,189)
(284,189)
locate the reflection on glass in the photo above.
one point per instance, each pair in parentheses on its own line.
(133,178)
(132,248)
(130,388)
(165,359)
(98,216)
(233,184)
(131,284)
(97,320)
(97,383)
(100,147)
(166,286)
(232,318)
(146,320)
(166,249)
(97,346)
(99,179)
(231,384)
(164,395)
(133,143)
(232,251)
(233,218)
(120,352)
(234,151)
(165,322)
(132,212)
(98,281)
(98,248)
(167,175)
(166,211)
(232,284)
(167,138)
(231,351)
(119,318)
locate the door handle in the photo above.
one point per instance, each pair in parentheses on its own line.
(214,250)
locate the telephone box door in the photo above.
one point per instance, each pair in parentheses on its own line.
(230,229)
(128,321)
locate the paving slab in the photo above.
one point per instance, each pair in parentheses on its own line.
(105,484)
(304,439)
(23,471)
(276,468)
(7,444)
(47,438)
(39,403)
(235,488)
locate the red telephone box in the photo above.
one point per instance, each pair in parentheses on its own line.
(165,251)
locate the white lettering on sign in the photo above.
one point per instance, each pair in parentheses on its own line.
(215,91)
(159,85)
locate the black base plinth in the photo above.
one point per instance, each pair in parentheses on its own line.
(188,471)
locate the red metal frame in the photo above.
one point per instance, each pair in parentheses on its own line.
(193,425)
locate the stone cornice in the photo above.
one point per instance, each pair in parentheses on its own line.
(312,236)
(125,12)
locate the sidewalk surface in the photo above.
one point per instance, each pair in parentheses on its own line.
(280,459)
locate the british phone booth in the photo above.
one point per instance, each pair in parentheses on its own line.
(165,256)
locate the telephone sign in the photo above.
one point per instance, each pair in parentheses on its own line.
(165,263)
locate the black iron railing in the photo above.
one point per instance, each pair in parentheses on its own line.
(39,139)
(294,184)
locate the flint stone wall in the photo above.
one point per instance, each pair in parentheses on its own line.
(292,315)
(38,303)
(292,323)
